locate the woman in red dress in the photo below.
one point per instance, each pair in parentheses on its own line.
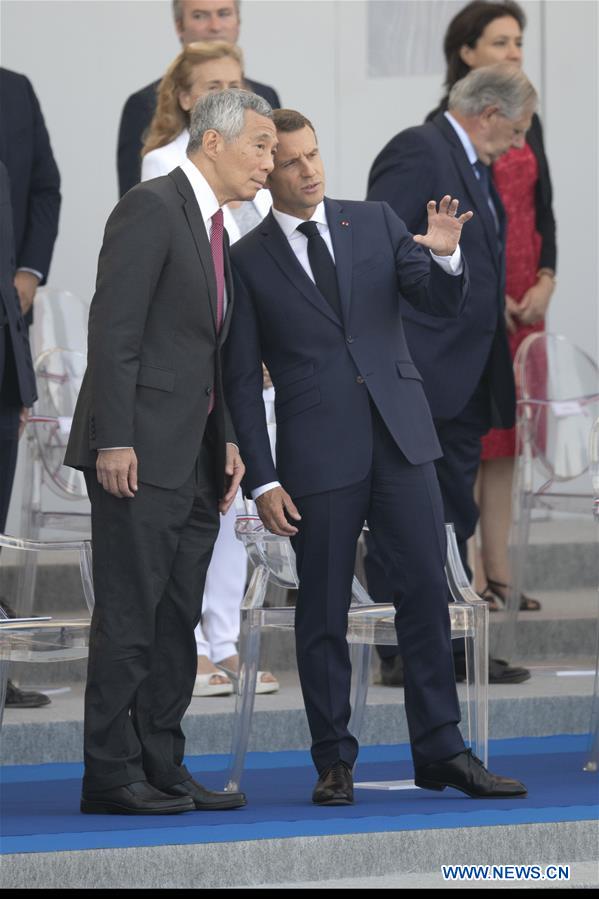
(481,34)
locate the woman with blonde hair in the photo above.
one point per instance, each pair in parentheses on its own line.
(200,68)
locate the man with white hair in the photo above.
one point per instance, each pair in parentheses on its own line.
(195,20)
(465,362)
(154,438)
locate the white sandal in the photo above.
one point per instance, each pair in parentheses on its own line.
(261,686)
(204,687)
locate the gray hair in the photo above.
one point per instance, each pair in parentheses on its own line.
(178,9)
(503,85)
(223,111)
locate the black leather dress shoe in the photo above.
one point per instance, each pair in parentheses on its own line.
(24,699)
(139,798)
(206,800)
(335,786)
(392,672)
(467,773)
(500,672)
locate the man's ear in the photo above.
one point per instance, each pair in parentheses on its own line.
(211,143)
(488,113)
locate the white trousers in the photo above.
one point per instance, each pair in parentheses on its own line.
(218,632)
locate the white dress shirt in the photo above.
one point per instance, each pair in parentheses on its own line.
(464,139)
(472,155)
(298,242)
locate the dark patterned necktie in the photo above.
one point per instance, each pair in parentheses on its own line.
(322,265)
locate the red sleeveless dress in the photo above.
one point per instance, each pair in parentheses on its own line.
(515,176)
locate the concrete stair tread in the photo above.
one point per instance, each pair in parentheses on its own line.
(570,677)
(384,860)
(583,875)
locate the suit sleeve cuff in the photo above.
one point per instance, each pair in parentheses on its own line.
(32,271)
(451,265)
(264,489)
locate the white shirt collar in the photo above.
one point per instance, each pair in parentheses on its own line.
(464,138)
(203,192)
(289,223)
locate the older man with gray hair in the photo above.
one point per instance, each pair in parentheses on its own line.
(465,362)
(153,436)
(195,20)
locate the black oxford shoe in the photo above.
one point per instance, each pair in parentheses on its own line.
(206,800)
(139,798)
(467,773)
(24,699)
(335,786)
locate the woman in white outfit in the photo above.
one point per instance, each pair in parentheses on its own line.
(202,67)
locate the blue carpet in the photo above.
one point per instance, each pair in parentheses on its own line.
(40,802)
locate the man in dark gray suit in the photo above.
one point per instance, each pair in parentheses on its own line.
(152,433)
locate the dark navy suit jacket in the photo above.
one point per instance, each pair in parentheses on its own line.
(418,165)
(325,369)
(10,309)
(34,179)
(135,119)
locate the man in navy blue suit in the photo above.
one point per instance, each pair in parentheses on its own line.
(465,363)
(34,184)
(316,293)
(195,20)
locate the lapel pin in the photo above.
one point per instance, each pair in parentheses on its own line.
(345,223)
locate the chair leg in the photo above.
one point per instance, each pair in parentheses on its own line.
(361,655)
(4,665)
(477,684)
(592,763)
(523,502)
(249,658)
(30,529)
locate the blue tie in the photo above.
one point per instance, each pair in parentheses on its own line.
(484,179)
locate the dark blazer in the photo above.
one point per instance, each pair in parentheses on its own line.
(10,308)
(135,119)
(417,165)
(153,353)
(34,179)
(545,220)
(323,369)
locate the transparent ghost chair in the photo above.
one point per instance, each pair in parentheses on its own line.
(54,496)
(368,624)
(59,319)
(557,389)
(592,762)
(46,638)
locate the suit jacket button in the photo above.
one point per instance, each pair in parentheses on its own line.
(350,339)
(360,379)
(208,391)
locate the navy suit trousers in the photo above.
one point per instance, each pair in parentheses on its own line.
(402,504)
(10,407)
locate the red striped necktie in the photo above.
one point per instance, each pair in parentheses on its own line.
(217,250)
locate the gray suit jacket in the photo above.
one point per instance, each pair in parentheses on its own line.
(154,356)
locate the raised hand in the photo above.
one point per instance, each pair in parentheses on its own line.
(444,226)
